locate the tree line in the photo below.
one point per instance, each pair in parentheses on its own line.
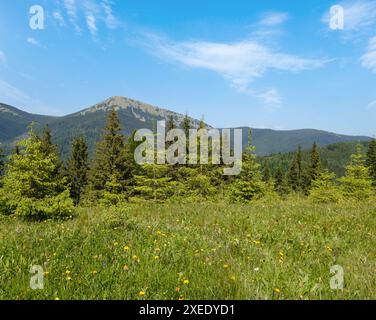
(36,183)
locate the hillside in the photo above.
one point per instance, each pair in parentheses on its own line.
(135,115)
(14,122)
(334,157)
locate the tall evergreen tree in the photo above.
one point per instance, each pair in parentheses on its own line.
(109,162)
(31,187)
(77,168)
(266,173)
(280,185)
(295,172)
(46,139)
(323,188)
(357,183)
(2,163)
(371,161)
(170,125)
(249,185)
(186,126)
(315,167)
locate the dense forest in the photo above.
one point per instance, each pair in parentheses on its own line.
(36,183)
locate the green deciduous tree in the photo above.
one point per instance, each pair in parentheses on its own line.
(77,168)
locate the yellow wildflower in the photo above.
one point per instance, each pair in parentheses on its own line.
(141,293)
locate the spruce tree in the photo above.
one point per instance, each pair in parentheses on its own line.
(295,172)
(371,161)
(153,183)
(280,185)
(110,160)
(77,168)
(186,126)
(249,185)
(170,125)
(323,188)
(266,174)
(31,187)
(357,183)
(2,164)
(46,140)
(315,167)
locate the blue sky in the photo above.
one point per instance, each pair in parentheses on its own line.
(267,64)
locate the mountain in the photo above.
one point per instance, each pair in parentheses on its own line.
(334,157)
(136,115)
(14,122)
(269,141)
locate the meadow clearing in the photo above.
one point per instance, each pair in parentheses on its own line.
(279,250)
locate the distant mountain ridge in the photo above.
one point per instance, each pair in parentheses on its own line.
(137,115)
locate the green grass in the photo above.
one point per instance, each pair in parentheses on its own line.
(282,250)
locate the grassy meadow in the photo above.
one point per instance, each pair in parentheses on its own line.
(279,250)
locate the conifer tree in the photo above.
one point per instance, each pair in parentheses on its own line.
(2,164)
(249,185)
(110,160)
(46,140)
(357,183)
(280,185)
(31,187)
(315,168)
(186,126)
(170,125)
(371,161)
(323,188)
(295,172)
(77,168)
(266,174)
(153,183)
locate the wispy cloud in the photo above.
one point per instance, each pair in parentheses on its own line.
(272,19)
(368,60)
(32,41)
(91,24)
(59,18)
(15,96)
(111,21)
(3,58)
(10,92)
(372,105)
(94,13)
(240,63)
(358,15)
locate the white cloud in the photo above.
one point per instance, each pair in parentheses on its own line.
(10,92)
(91,24)
(358,15)
(32,41)
(94,12)
(240,63)
(368,60)
(372,105)
(59,18)
(274,19)
(3,58)
(110,20)
(71,8)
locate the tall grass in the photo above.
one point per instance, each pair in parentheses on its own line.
(280,250)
